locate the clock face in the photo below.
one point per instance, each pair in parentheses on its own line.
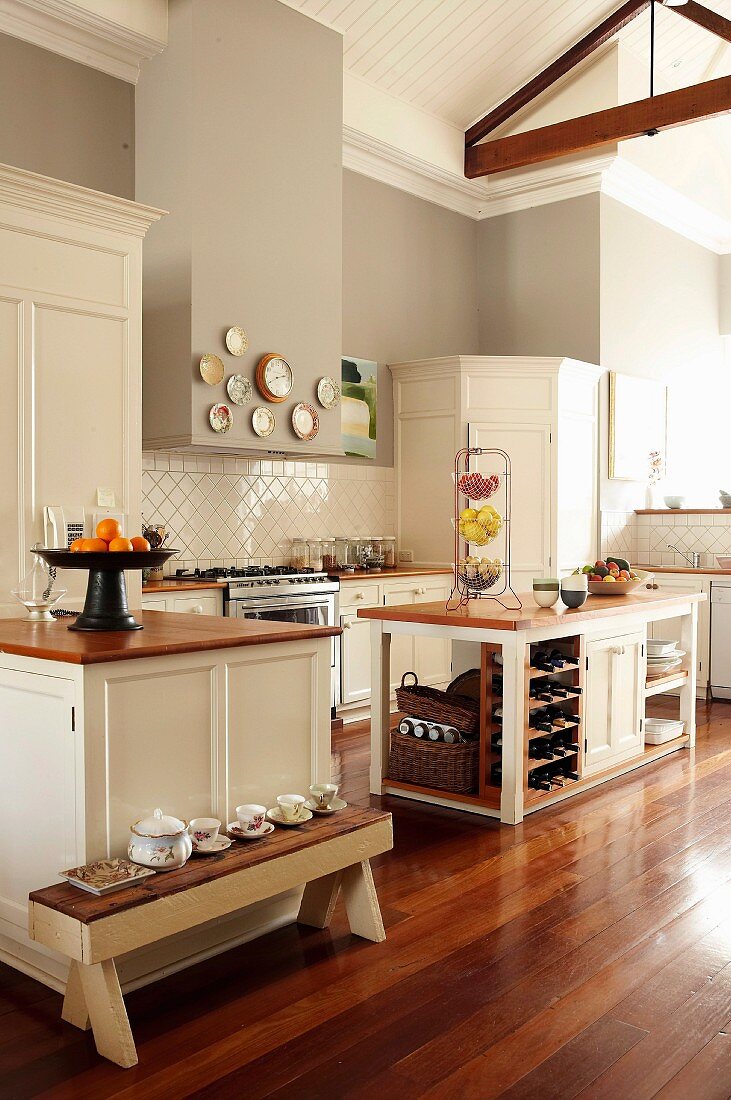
(278,377)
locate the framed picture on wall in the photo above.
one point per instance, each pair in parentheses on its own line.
(358,407)
(638,425)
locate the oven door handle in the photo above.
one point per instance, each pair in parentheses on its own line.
(281,605)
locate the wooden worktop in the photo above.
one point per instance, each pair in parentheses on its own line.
(395,574)
(701,571)
(164,632)
(488,615)
(172,584)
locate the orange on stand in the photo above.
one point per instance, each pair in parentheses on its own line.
(76,546)
(139,543)
(108,529)
(120,543)
(97,546)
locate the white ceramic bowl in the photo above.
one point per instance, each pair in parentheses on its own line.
(674,502)
(546,597)
(575,582)
(620,588)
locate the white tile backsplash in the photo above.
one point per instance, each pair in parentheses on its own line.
(645,539)
(225,510)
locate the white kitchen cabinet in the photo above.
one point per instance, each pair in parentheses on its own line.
(543,412)
(195,603)
(676,584)
(430,658)
(614,704)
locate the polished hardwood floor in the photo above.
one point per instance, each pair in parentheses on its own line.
(586,952)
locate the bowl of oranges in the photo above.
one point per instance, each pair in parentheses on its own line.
(106,556)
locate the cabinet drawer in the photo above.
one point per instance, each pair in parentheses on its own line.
(201,604)
(353,595)
(150,604)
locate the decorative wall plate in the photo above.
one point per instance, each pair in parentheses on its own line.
(263,422)
(328,393)
(274,377)
(237,340)
(221,418)
(239,389)
(211,369)
(305,421)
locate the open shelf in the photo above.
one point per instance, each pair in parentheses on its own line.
(539,674)
(532,734)
(536,704)
(491,797)
(533,764)
(655,685)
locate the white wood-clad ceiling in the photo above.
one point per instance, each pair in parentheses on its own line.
(458,58)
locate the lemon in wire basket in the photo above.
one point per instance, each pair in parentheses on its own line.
(480,527)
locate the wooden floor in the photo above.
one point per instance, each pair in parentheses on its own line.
(585,953)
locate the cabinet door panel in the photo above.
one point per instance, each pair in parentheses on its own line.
(615,701)
(529,447)
(150,604)
(356,658)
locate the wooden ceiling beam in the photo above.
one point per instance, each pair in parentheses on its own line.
(615,124)
(704,17)
(590,42)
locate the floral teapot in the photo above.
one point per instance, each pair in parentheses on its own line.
(160,841)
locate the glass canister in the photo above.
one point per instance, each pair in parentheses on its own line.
(389,552)
(329,559)
(355,560)
(342,547)
(299,557)
(374,554)
(314,547)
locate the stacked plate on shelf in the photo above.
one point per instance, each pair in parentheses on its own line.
(663,656)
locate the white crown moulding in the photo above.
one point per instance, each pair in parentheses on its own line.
(607,174)
(71,203)
(81,35)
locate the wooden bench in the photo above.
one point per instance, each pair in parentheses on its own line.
(326,854)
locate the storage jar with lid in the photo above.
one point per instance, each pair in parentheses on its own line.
(342,545)
(389,552)
(299,557)
(314,547)
(374,554)
(329,559)
(160,841)
(355,551)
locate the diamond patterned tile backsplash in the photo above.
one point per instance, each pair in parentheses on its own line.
(648,538)
(222,511)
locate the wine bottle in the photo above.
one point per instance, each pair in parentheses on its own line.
(496,742)
(496,772)
(421,729)
(538,782)
(406,725)
(558,689)
(451,735)
(539,749)
(497,684)
(557,658)
(497,713)
(539,720)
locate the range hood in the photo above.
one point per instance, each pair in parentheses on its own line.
(239,136)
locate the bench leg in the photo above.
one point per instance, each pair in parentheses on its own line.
(361,902)
(319,900)
(74,1009)
(109,1022)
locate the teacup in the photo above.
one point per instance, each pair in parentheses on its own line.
(545,591)
(251,817)
(324,794)
(291,806)
(204,832)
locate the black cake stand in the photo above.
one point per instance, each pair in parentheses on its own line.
(105,607)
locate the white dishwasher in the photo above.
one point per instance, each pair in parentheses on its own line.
(721,638)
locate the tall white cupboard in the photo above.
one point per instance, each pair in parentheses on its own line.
(543,412)
(70,361)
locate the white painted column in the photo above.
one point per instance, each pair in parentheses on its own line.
(380,703)
(689,642)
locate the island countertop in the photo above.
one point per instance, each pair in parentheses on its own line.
(164,632)
(489,615)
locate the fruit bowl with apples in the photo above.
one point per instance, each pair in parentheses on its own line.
(613,576)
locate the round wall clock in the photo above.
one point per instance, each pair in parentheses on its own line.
(305,421)
(239,389)
(221,418)
(211,368)
(263,422)
(274,377)
(328,393)
(237,340)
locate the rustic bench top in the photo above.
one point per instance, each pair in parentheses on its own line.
(86,908)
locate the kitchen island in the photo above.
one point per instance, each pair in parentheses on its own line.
(603,685)
(195,714)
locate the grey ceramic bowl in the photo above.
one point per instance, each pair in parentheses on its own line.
(573,598)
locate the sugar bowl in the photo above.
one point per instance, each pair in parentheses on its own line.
(160,841)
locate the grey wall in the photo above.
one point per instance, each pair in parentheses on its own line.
(538,281)
(65,120)
(409,284)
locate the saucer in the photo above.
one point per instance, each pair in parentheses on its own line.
(275,815)
(222,843)
(238,833)
(335,805)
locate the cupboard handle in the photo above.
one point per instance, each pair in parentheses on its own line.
(198,609)
(347,626)
(360,595)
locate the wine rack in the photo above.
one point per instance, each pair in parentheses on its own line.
(554,715)
(490,723)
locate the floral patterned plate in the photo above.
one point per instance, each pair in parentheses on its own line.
(238,833)
(105,875)
(222,843)
(221,418)
(239,389)
(305,421)
(237,340)
(211,368)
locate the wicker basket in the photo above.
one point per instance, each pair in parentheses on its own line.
(433,763)
(438,706)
